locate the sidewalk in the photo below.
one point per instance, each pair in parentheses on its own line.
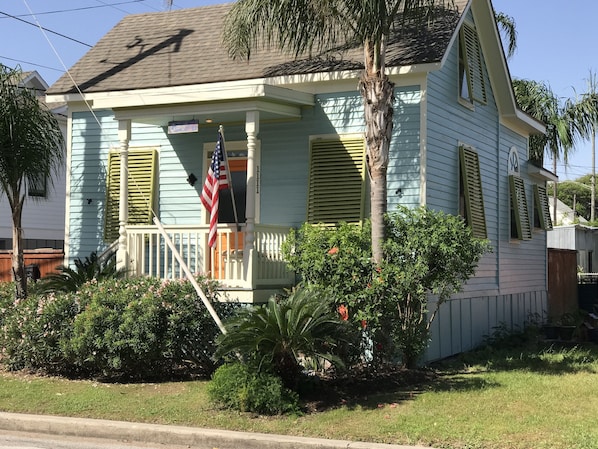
(194,438)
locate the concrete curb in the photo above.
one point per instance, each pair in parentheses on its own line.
(196,438)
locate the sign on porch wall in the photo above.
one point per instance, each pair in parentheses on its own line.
(188,126)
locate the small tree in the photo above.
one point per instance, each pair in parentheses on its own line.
(427,252)
(31,149)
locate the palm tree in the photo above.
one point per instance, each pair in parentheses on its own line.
(507,25)
(538,100)
(31,149)
(585,112)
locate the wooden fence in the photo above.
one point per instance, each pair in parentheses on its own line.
(45,260)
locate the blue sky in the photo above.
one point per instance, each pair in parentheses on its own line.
(557,44)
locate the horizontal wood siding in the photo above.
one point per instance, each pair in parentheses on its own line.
(513,266)
(404,174)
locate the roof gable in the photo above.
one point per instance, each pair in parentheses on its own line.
(184,47)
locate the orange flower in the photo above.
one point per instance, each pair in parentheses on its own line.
(364,324)
(343,312)
(332,251)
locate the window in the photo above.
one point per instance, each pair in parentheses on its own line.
(520,224)
(472,85)
(336,190)
(37,187)
(471,197)
(142,164)
(541,210)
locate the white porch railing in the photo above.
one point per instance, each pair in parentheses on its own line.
(149,254)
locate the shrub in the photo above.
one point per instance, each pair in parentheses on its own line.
(276,336)
(34,331)
(142,327)
(239,387)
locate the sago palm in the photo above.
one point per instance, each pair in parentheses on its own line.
(279,334)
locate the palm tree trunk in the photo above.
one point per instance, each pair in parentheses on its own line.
(378,96)
(18,260)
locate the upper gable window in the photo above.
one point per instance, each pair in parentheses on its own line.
(472,85)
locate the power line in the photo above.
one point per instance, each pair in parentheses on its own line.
(46,29)
(60,11)
(31,63)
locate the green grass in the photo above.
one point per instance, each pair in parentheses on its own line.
(521,398)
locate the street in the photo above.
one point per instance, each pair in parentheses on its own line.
(17,440)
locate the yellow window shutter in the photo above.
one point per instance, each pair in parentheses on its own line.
(542,208)
(142,166)
(472,190)
(519,208)
(336,190)
(474,63)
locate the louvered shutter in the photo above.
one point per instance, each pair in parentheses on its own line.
(474,63)
(519,208)
(472,191)
(542,208)
(141,178)
(336,190)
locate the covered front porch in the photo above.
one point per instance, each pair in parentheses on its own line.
(247,258)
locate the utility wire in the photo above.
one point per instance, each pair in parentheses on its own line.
(45,29)
(60,11)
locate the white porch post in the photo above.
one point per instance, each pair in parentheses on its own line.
(252,126)
(124,136)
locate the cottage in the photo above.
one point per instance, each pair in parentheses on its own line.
(143,125)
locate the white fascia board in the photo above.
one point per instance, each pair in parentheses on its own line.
(140,113)
(229,91)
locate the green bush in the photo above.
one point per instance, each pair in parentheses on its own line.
(137,328)
(239,387)
(131,328)
(34,330)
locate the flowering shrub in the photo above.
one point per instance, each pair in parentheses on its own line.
(135,328)
(425,252)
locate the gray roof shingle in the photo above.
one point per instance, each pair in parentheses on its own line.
(184,47)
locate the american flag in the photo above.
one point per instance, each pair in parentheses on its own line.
(216,180)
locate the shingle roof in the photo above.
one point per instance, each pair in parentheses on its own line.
(184,47)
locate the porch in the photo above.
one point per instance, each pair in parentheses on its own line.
(248,275)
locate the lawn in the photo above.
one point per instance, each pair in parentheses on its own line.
(534,396)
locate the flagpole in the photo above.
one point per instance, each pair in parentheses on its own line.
(230,178)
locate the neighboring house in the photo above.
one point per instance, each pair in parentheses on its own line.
(564,214)
(581,238)
(44,210)
(295,142)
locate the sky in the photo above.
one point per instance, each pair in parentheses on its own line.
(557,42)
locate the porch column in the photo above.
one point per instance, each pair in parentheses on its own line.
(252,126)
(124,136)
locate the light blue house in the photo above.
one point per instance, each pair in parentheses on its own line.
(152,93)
